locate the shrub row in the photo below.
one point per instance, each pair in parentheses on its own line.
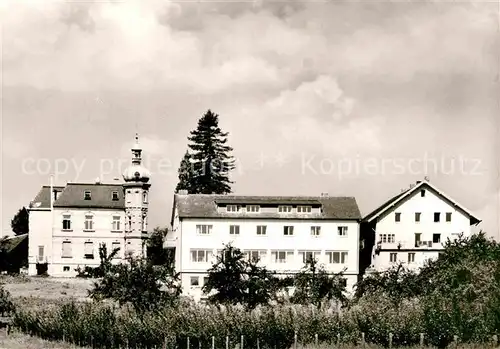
(106,326)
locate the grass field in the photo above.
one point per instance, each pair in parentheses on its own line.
(47,288)
(21,341)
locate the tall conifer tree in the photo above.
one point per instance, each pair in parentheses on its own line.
(210,159)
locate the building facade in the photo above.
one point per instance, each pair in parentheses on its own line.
(282,231)
(68,223)
(413,226)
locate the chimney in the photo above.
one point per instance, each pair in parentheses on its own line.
(97,180)
(324,195)
(183,192)
(418,182)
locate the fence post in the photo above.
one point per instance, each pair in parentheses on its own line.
(390,340)
(187,342)
(258,344)
(495,340)
(213,342)
(295,340)
(199,343)
(338,339)
(7,330)
(165,342)
(363,339)
(241,342)
(227,342)
(422,340)
(126,343)
(455,340)
(316,339)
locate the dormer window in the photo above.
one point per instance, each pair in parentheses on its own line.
(284,209)
(145,197)
(86,195)
(304,209)
(114,196)
(233,208)
(253,208)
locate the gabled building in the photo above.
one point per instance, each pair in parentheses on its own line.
(67,223)
(412,227)
(281,231)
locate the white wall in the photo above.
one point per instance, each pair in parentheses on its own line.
(405,229)
(329,240)
(40,234)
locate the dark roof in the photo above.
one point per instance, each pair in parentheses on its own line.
(205,206)
(72,196)
(101,196)
(10,243)
(43,197)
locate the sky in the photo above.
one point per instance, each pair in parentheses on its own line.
(349,98)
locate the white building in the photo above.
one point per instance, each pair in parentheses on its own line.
(67,223)
(413,226)
(281,231)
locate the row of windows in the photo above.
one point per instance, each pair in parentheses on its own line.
(418,216)
(88,249)
(277,256)
(87,195)
(116,224)
(393,257)
(67,251)
(256,209)
(288,230)
(391,238)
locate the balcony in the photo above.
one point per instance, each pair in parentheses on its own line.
(425,244)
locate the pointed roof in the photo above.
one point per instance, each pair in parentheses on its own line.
(397,199)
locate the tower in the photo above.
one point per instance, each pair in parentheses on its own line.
(136,193)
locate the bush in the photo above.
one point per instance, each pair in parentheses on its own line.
(6,305)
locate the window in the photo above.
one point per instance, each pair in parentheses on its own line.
(234,230)
(315,231)
(201,256)
(88,250)
(281,256)
(393,257)
(336,257)
(66,222)
(253,208)
(144,222)
(422,193)
(397,217)
(114,196)
(418,237)
(388,238)
(436,238)
(130,223)
(411,257)
(86,195)
(41,253)
(417,216)
(145,197)
(261,230)
(232,208)
(89,222)
(288,230)
(66,249)
(255,255)
(342,231)
(116,223)
(448,216)
(203,229)
(437,216)
(309,255)
(66,268)
(304,209)
(195,281)
(116,245)
(205,280)
(284,209)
